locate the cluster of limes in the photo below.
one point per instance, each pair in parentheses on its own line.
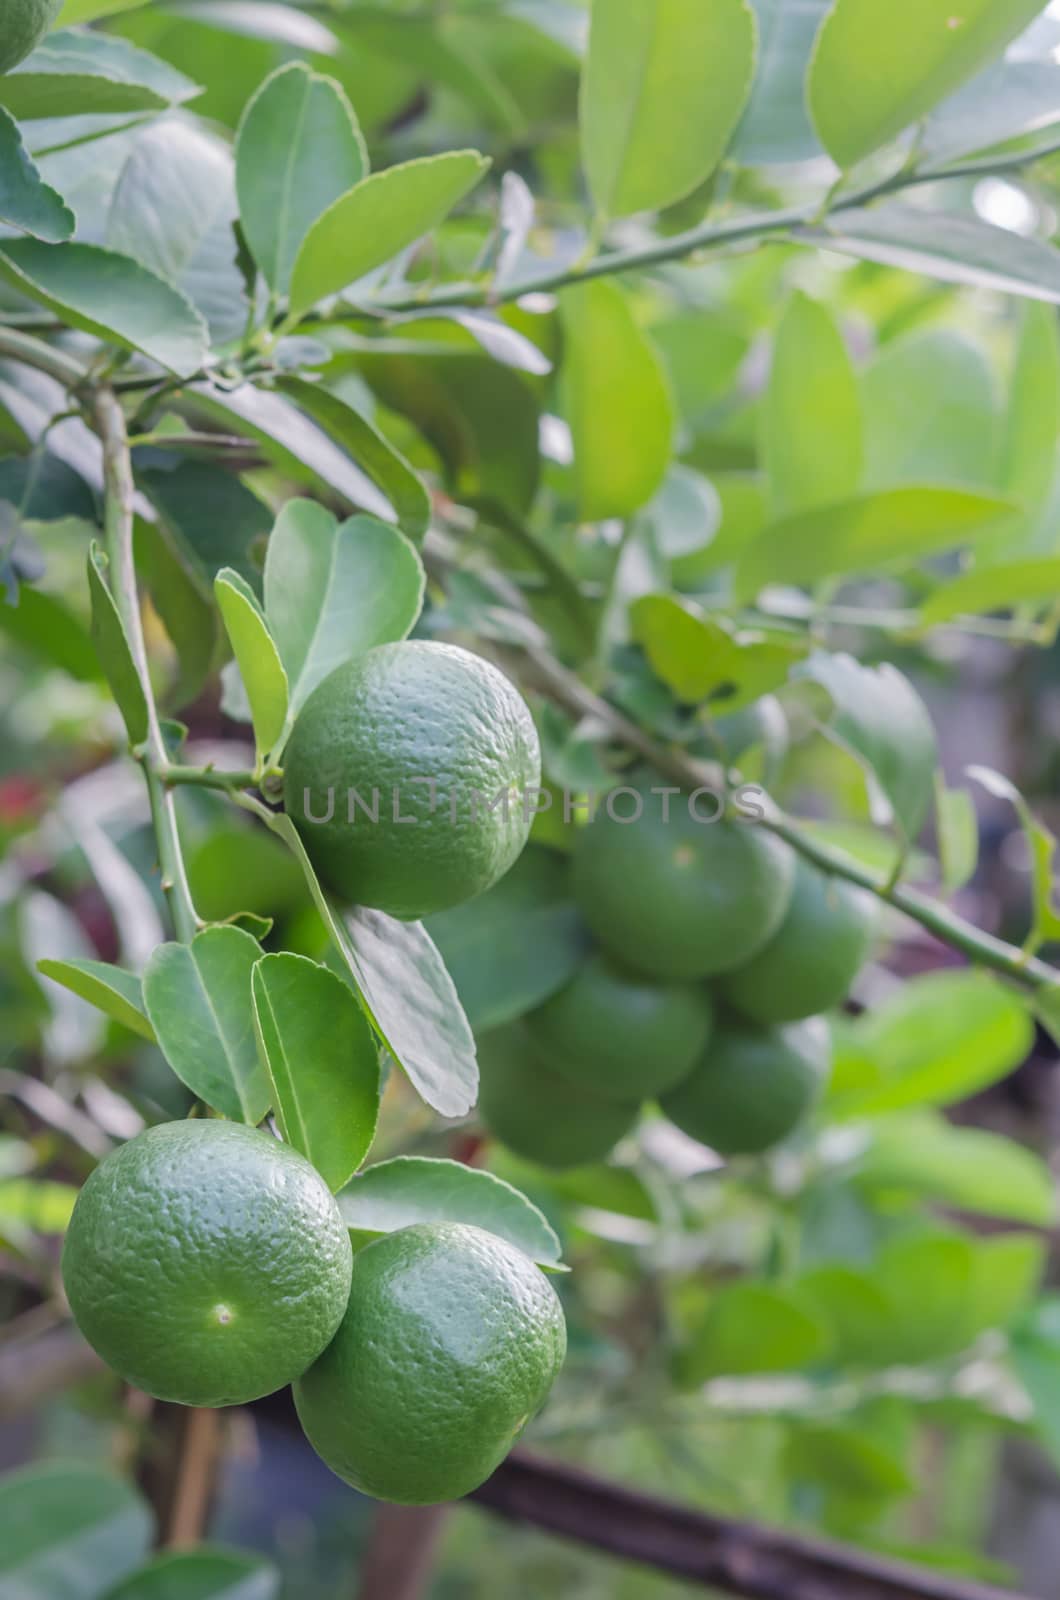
(209,1264)
(717,951)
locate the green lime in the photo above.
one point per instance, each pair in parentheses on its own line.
(23,24)
(753,1086)
(207,1263)
(675,897)
(450,1344)
(813,958)
(540,1115)
(620,1035)
(410,775)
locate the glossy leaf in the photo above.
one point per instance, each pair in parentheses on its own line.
(868,82)
(377,219)
(110,296)
(75,73)
(893,527)
(322,1061)
(67,1532)
(111,989)
(26,201)
(198,997)
(946,245)
(993,589)
(702,658)
(663,86)
(617,402)
(334,590)
(878,716)
(211,520)
(260,666)
(1009,100)
(112,647)
(750,1328)
(201,1574)
(297,150)
(968,1168)
(811,413)
(776,126)
(411,1189)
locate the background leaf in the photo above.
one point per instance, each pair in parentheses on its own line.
(26,201)
(322,1061)
(74,73)
(969,1168)
(69,1531)
(752,1327)
(201,1574)
(811,421)
(776,126)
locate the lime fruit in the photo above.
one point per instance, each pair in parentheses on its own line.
(622,1036)
(674,897)
(207,1263)
(419,760)
(539,1114)
(450,1344)
(812,959)
(752,1086)
(23,24)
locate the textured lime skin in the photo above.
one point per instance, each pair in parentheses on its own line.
(540,1115)
(207,1263)
(394,718)
(679,899)
(23,24)
(449,1345)
(812,959)
(753,1085)
(620,1035)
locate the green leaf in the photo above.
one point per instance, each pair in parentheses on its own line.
(298,149)
(957,832)
(68,1532)
(189,619)
(968,1168)
(1028,449)
(811,413)
(617,401)
(776,126)
(211,519)
(952,435)
(871,77)
(259,660)
(993,589)
(201,1574)
(294,443)
(853,1307)
(895,527)
(111,989)
(1007,101)
(114,651)
(77,11)
(512,947)
(173,210)
(334,590)
(409,1189)
(752,1327)
(26,201)
(937,1040)
(1041,843)
(46,626)
(376,219)
(935,1273)
(1035,1355)
(878,716)
(946,245)
(75,74)
(845,1460)
(110,296)
(198,997)
(353,432)
(704,658)
(322,1061)
(663,86)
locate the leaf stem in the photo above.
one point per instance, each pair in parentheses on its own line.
(207,777)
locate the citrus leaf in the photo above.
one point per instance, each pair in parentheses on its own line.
(259,660)
(663,86)
(867,82)
(701,657)
(322,1061)
(111,989)
(954,438)
(811,414)
(353,432)
(893,527)
(110,296)
(1006,101)
(993,589)
(113,649)
(77,11)
(776,126)
(69,1531)
(333,590)
(969,1168)
(26,201)
(198,997)
(201,1574)
(378,218)
(409,1189)
(75,73)
(878,716)
(945,245)
(752,1327)
(298,149)
(1041,845)
(957,832)
(617,402)
(1028,447)
(1035,1353)
(211,519)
